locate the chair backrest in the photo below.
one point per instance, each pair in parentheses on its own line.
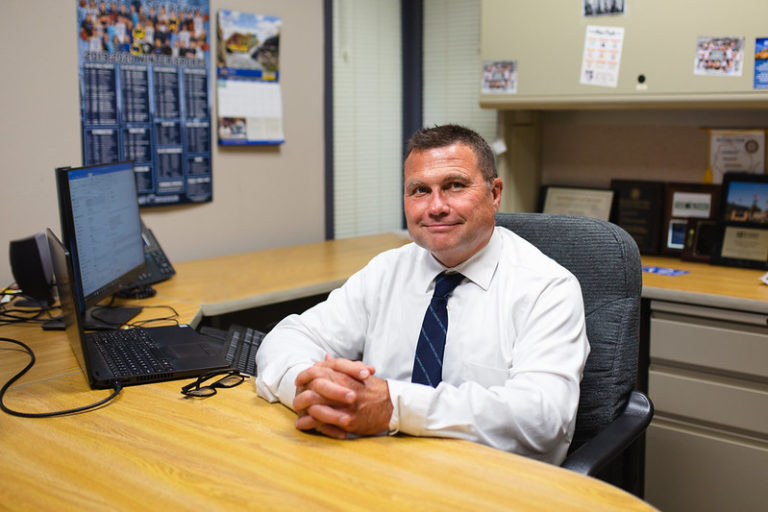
(606,261)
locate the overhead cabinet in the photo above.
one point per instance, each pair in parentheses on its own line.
(673,54)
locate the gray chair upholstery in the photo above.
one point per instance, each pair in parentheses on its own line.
(606,261)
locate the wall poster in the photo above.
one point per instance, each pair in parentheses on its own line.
(248,79)
(145,94)
(761,63)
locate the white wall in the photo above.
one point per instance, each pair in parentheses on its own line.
(263,197)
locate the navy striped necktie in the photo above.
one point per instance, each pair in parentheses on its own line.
(428,363)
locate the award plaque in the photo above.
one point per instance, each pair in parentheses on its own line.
(684,201)
(639,210)
(584,202)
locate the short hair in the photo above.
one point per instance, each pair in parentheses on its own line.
(449,134)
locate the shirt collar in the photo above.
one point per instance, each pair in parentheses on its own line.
(479,269)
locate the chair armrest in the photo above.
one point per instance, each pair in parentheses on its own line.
(610,442)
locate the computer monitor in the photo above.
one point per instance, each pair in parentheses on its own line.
(101,228)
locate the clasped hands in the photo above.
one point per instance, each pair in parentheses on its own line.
(338,397)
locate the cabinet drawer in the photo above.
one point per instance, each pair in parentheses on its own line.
(686,469)
(710,344)
(725,402)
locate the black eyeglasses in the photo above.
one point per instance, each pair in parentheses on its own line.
(201,388)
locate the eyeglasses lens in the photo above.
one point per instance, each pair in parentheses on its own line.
(204,387)
(229,381)
(202,392)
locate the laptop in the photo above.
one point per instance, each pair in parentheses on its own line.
(153,354)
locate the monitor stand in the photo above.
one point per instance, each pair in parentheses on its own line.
(99,318)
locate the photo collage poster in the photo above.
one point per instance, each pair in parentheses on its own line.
(145,94)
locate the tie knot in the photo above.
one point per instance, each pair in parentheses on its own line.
(445,283)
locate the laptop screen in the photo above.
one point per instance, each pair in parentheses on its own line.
(62,269)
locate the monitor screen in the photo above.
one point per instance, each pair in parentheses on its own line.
(101,227)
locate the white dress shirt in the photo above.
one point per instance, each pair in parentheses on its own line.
(514,353)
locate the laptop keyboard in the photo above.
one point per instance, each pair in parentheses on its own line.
(239,345)
(130,352)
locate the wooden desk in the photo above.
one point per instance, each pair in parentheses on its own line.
(706,285)
(242,281)
(154,449)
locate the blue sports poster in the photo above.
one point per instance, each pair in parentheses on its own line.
(145,93)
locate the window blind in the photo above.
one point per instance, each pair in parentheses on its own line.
(452,66)
(367,139)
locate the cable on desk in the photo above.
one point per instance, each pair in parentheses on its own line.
(116,385)
(171,317)
(10,315)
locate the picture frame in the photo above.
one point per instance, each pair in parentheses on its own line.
(684,201)
(596,203)
(700,240)
(743,221)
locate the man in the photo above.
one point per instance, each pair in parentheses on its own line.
(515,342)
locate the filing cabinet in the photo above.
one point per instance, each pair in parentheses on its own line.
(707,446)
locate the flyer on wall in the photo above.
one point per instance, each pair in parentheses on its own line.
(145,94)
(602,56)
(248,93)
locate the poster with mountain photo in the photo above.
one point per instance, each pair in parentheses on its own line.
(248,79)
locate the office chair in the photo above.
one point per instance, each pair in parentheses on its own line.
(611,414)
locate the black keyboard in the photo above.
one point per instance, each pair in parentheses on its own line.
(130,352)
(240,346)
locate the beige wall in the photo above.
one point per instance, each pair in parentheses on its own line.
(589,148)
(263,197)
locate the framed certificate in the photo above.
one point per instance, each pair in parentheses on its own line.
(584,202)
(743,222)
(741,246)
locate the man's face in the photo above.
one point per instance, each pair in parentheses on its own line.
(449,207)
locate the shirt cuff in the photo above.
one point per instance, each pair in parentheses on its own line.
(394,420)
(410,404)
(286,390)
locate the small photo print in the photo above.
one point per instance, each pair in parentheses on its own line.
(232,128)
(719,56)
(499,77)
(603,7)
